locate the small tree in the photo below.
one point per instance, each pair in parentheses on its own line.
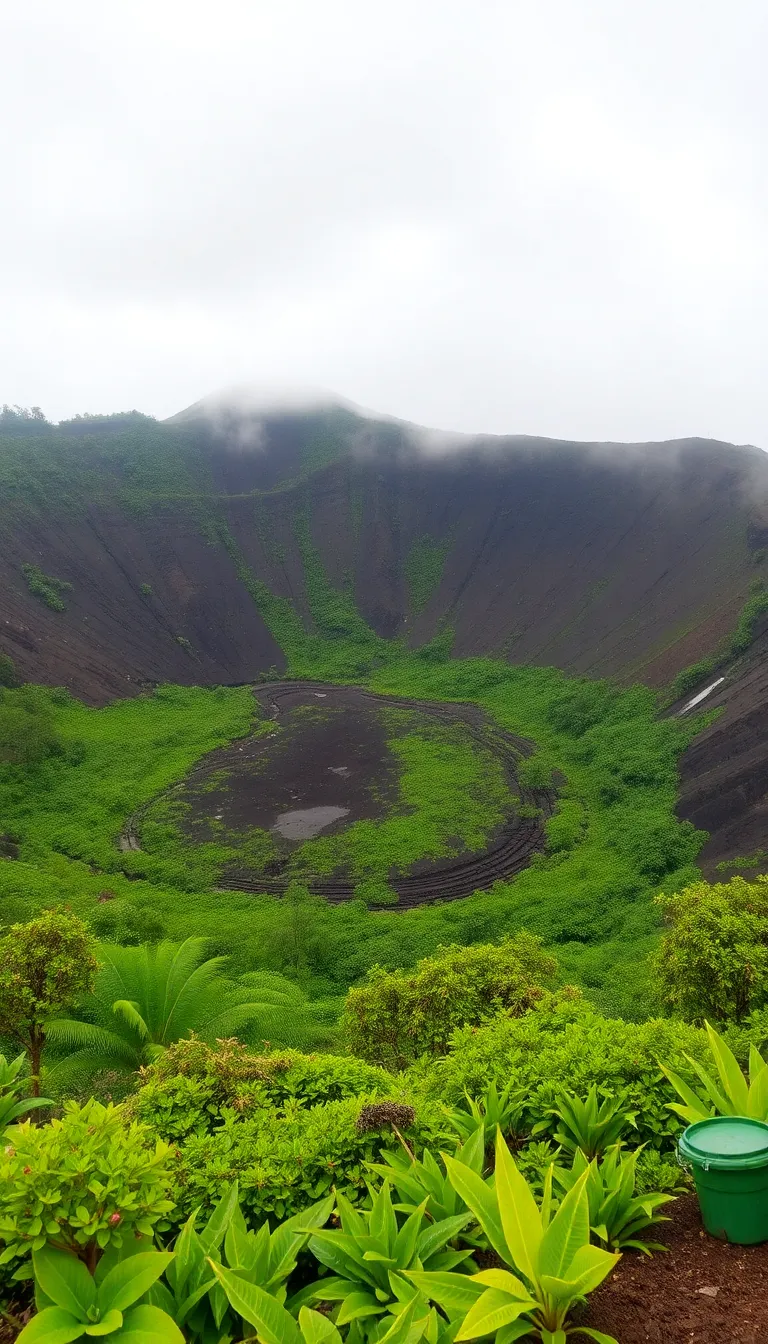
(713,959)
(46,966)
(396,1016)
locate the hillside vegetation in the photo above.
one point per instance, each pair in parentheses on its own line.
(258,1114)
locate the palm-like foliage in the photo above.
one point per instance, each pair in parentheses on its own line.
(146,998)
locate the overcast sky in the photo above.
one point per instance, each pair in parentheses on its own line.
(523,216)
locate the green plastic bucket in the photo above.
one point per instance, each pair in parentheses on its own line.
(729,1157)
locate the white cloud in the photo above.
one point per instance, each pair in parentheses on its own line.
(543,218)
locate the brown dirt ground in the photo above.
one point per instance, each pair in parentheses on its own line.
(700,1291)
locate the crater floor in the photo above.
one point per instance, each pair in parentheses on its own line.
(326,763)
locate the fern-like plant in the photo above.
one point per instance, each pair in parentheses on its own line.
(145,999)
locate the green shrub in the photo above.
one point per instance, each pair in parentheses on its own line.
(49,590)
(562,1043)
(27,727)
(82,1183)
(195,1088)
(287,1159)
(396,1016)
(46,965)
(713,959)
(79,1304)
(535,772)
(9,677)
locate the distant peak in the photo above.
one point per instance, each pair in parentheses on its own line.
(254,399)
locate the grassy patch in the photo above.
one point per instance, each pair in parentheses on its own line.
(424,570)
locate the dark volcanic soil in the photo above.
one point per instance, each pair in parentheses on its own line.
(332,730)
(724,773)
(331,752)
(701,1291)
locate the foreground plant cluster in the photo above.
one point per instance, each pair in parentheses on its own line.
(472,1165)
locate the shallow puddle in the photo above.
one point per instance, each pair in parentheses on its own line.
(308,821)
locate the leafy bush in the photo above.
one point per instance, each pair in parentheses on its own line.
(145,998)
(563,1043)
(83,1183)
(713,959)
(426,1183)
(369,1257)
(286,1159)
(9,677)
(27,727)
(194,1088)
(504,1110)
(262,1260)
(49,590)
(75,1303)
(12,1081)
(733,1095)
(590,1127)
(535,772)
(396,1016)
(617,1215)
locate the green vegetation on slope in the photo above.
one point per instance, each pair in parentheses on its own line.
(730,647)
(614,840)
(424,570)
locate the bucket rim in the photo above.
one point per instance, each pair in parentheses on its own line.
(702,1155)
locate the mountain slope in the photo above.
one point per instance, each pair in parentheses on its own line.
(624,560)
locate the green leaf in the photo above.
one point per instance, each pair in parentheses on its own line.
(589,1267)
(149,1325)
(597,1335)
(107,1325)
(65,1280)
(492,1311)
(382,1222)
(131,1279)
(517,1330)
(190,1261)
(757,1106)
(501,1279)
(567,1232)
(316,1328)
(405,1242)
(455,1293)
(52,1326)
(696,1108)
(272,1322)
(215,1229)
(409,1325)
(519,1212)
(433,1238)
(481,1200)
(183,1309)
(356,1306)
(733,1080)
